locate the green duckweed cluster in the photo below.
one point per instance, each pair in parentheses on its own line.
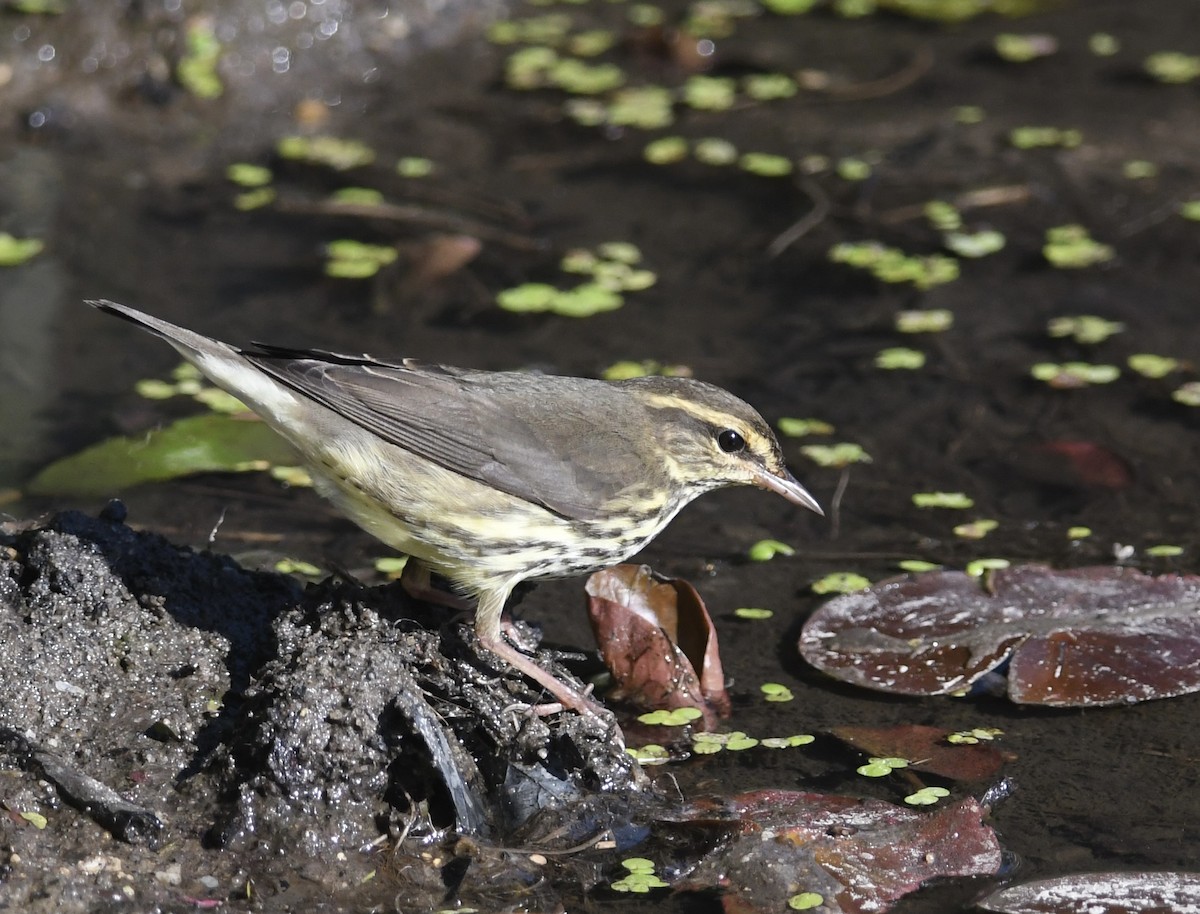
(612,270)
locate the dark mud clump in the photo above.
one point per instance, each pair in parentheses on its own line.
(174,728)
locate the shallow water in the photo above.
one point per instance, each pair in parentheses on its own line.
(122,174)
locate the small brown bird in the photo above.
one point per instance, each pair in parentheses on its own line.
(493,478)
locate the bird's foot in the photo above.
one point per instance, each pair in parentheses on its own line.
(566,696)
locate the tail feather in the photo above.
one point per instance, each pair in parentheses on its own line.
(224,365)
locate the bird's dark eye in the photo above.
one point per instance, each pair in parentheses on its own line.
(730,441)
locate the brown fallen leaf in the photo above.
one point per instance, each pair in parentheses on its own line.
(657,638)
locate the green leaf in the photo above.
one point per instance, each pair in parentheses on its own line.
(211,443)
(15,251)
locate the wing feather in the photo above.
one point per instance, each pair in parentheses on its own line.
(496,428)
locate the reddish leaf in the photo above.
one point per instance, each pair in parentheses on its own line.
(1101,893)
(860,855)
(927,750)
(1080,463)
(1091,636)
(658,640)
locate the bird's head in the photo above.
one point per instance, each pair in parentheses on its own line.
(712,439)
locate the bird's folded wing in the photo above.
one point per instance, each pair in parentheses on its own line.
(448,417)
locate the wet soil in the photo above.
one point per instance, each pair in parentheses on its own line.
(122,173)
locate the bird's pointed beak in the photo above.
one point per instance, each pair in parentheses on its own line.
(785,484)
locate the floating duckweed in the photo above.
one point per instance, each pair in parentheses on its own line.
(623,371)
(579,260)
(650,754)
(254,199)
(641,878)
(753,612)
(854,9)
(1139,169)
(550,29)
(349,259)
(414,167)
(789,7)
(586,300)
(1074,375)
(765,164)
(666,151)
(611,272)
(644,107)
(980,567)
(245,174)
(837,455)
(197,69)
(529,68)
(295,477)
(1164,551)
(881,767)
(1084,328)
(1024,48)
(769,86)
(1189,209)
(799,428)
(15,251)
(504,31)
(1188,394)
(528,297)
(1103,44)
(296,566)
(917,566)
(1079,533)
(974,736)
(679,717)
(968,114)
(776,691)
(893,265)
(186,371)
(334,152)
(586,112)
(851,169)
(976,529)
(715,151)
(1173,67)
(646,15)
(804,901)
(620,252)
(591,43)
(926,796)
(357,196)
(955,500)
(154,389)
(934,320)
(709,93)
(975,244)
(739,741)
(765,550)
(840,582)
(1043,137)
(787,742)
(1071,247)
(899,358)
(580,78)
(943,216)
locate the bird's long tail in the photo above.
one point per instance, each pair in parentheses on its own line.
(224,365)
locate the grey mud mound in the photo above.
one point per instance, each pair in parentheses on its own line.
(177,730)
